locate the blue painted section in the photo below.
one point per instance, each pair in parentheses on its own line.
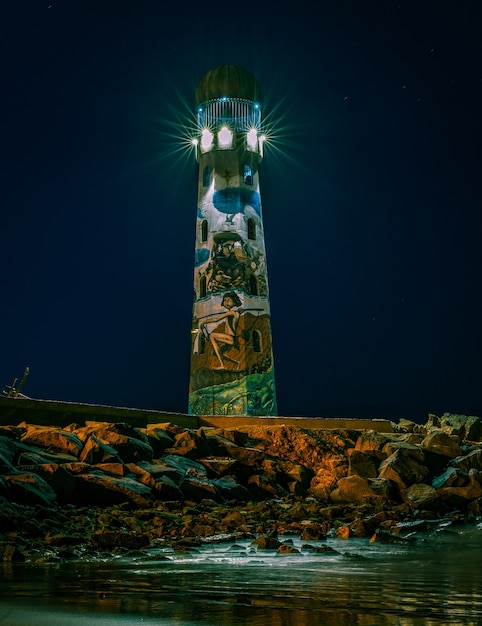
(233,200)
(201,256)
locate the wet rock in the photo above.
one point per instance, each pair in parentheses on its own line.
(107,540)
(323,549)
(371,440)
(29,488)
(265,542)
(312,531)
(10,552)
(344,532)
(420,495)
(286,548)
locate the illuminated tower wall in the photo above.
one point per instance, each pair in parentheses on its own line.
(231,359)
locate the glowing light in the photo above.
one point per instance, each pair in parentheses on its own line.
(206,140)
(252,139)
(194,142)
(262,139)
(225,138)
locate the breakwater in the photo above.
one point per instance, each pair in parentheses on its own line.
(71,491)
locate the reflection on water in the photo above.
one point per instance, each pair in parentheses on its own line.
(432,582)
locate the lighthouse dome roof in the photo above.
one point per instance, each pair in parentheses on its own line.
(231,81)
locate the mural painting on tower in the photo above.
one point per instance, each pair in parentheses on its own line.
(231,360)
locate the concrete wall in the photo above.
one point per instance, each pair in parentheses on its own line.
(13,411)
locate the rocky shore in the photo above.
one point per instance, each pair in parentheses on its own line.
(83,490)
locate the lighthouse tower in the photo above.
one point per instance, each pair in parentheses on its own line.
(231,358)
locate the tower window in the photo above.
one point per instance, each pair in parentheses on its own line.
(248,175)
(202,286)
(251,228)
(256,341)
(204,230)
(253,285)
(206,176)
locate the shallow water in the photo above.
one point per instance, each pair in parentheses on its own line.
(436,580)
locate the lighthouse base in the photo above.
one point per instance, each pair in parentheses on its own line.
(250,395)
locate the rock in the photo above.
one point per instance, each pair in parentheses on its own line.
(363,464)
(359,490)
(107,540)
(343,532)
(406,466)
(29,488)
(52,439)
(96,451)
(8,452)
(312,531)
(198,489)
(129,444)
(158,438)
(183,466)
(468,427)
(472,460)
(230,489)
(101,489)
(452,477)
(370,440)
(286,548)
(10,552)
(420,495)
(440,442)
(166,489)
(218,467)
(250,457)
(265,542)
(190,445)
(59,478)
(262,487)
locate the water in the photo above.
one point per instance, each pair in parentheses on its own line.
(436,580)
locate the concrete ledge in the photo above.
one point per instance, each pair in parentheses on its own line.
(13,411)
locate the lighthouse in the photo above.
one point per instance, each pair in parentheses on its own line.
(232,370)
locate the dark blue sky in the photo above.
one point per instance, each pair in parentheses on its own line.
(371,196)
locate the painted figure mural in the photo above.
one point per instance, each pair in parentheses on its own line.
(231,361)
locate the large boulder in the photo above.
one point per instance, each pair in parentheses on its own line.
(8,452)
(100,489)
(231,489)
(96,451)
(467,427)
(29,488)
(52,439)
(191,445)
(437,440)
(406,466)
(472,460)
(358,490)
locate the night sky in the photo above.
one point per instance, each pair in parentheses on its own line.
(371,189)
